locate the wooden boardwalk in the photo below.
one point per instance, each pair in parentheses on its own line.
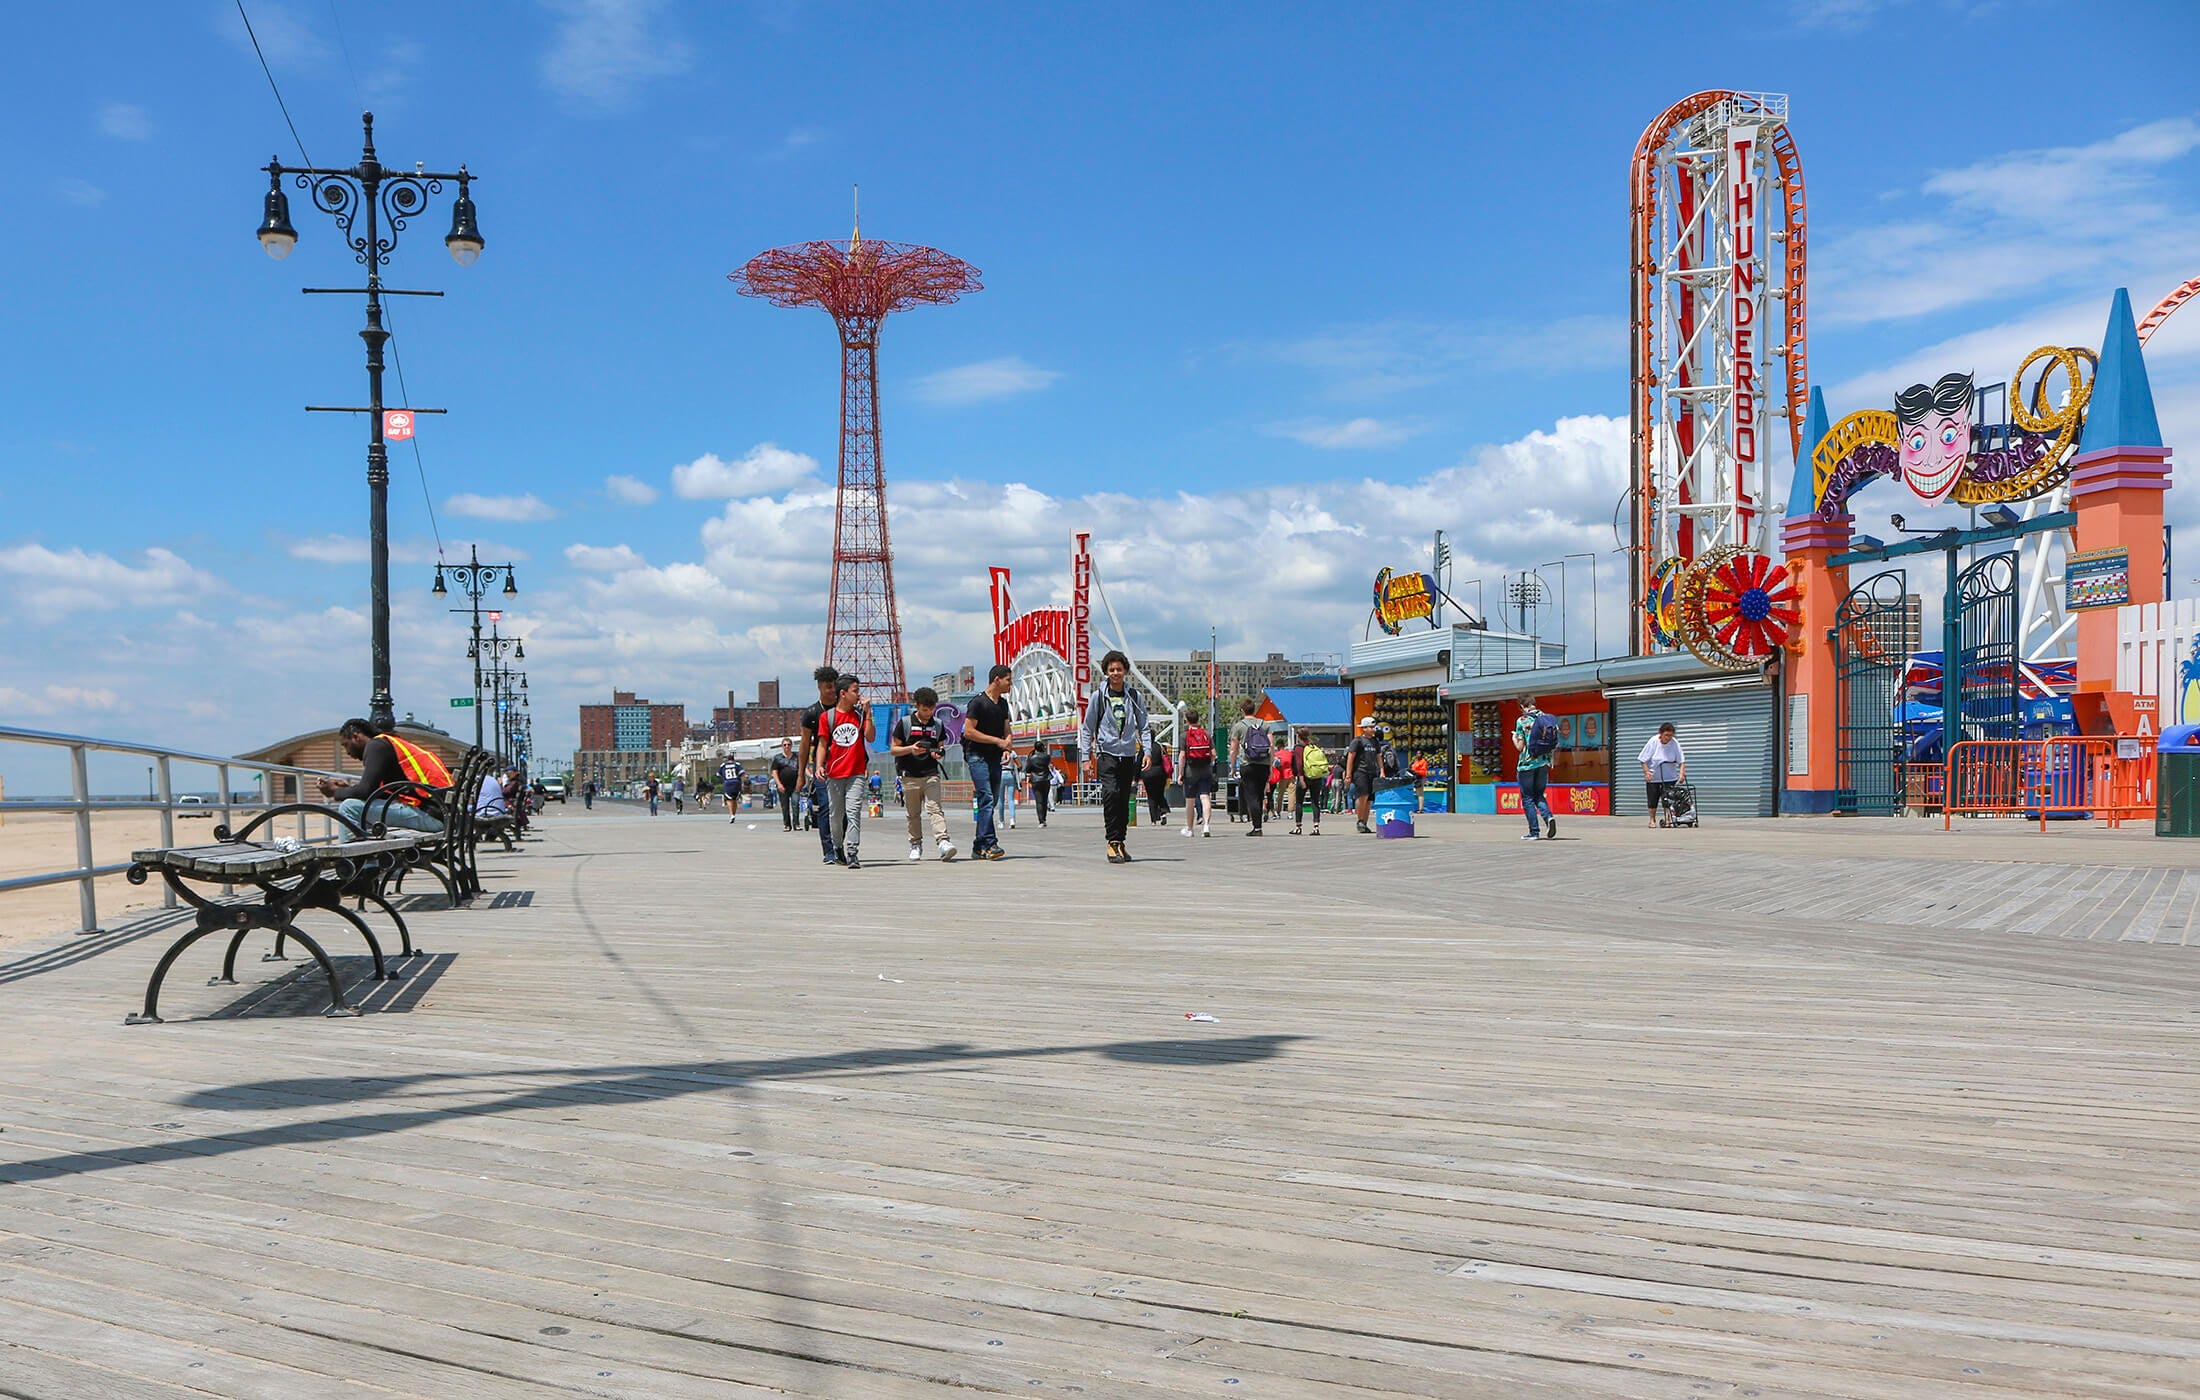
(1770,1109)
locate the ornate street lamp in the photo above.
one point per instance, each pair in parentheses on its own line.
(475,577)
(382,200)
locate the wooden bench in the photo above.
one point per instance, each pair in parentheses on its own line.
(292,878)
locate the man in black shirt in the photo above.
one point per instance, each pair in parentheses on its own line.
(786,776)
(985,748)
(378,766)
(1041,768)
(1363,763)
(828,695)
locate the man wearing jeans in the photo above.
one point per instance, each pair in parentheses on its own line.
(1533,741)
(985,749)
(843,760)
(828,691)
(384,759)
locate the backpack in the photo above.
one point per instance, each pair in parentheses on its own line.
(1197,745)
(1258,747)
(1542,736)
(1316,762)
(1391,767)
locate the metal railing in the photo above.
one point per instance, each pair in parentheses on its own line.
(2102,777)
(83,806)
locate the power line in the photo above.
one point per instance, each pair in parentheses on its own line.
(397,357)
(271,83)
(397,361)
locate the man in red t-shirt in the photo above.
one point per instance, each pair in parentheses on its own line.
(843,749)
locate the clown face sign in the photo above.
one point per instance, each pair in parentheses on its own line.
(1935,424)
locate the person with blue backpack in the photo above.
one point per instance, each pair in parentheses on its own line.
(1535,735)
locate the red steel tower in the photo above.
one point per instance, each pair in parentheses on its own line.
(860,284)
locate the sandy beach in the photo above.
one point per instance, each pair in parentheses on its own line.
(31,842)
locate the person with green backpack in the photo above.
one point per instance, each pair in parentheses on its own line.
(1313,766)
(1535,734)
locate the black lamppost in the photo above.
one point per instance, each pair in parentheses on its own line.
(382,196)
(500,676)
(475,577)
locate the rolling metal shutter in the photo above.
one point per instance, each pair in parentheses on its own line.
(1726,733)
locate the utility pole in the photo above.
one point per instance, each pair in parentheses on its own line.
(1440,570)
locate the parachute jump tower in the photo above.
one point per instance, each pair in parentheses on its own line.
(860,284)
(1717,363)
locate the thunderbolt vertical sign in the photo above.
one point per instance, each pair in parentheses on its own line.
(1080,620)
(1744,305)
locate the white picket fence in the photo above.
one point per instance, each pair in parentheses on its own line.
(2153,641)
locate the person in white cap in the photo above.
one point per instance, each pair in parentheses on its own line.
(1363,763)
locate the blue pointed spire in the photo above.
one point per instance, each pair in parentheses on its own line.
(1803,493)
(2121,413)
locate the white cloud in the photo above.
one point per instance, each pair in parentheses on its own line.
(1276,567)
(799,139)
(603,559)
(125,122)
(2025,224)
(82,193)
(1846,15)
(1369,359)
(604,51)
(57,700)
(54,583)
(510,509)
(286,40)
(986,379)
(1352,433)
(352,549)
(628,491)
(762,470)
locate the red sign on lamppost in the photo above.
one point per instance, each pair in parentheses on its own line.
(397,424)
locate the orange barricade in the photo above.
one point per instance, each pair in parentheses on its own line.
(2070,775)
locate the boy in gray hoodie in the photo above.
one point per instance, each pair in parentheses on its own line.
(1114,736)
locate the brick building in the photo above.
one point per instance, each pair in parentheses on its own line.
(630,724)
(762,718)
(1234,680)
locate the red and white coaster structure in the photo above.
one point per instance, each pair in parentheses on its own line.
(1719,376)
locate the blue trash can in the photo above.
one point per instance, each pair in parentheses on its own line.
(1393,809)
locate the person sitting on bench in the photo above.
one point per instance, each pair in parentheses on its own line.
(385,759)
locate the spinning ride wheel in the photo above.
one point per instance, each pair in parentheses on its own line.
(1661,604)
(1739,608)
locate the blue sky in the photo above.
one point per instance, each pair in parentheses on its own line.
(1271,291)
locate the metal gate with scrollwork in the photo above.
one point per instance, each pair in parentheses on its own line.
(1871,658)
(1985,678)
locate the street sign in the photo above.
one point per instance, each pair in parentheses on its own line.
(462,702)
(397,424)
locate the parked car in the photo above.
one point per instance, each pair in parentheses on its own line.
(552,789)
(193,807)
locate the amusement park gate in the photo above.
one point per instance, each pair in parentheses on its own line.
(1986,676)
(1870,665)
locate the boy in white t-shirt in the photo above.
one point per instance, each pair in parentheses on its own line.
(1663,766)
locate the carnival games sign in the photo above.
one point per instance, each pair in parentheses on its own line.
(1400,597)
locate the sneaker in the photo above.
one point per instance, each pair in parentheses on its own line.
(1205,830)
(1125,848)
(1295,831)
(1550,828)
(947,850)
(853,863)
(1115,853)
(1315,832)
(916,852)
(1011,823)
(1364,829)
(1531,836)
(1187,831)
(1254,832)
(994,853)
(832,860)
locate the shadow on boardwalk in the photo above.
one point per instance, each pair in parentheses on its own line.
(565,1088)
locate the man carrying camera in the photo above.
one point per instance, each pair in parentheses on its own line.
(917,741)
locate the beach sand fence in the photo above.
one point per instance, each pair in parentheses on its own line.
(66,834)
